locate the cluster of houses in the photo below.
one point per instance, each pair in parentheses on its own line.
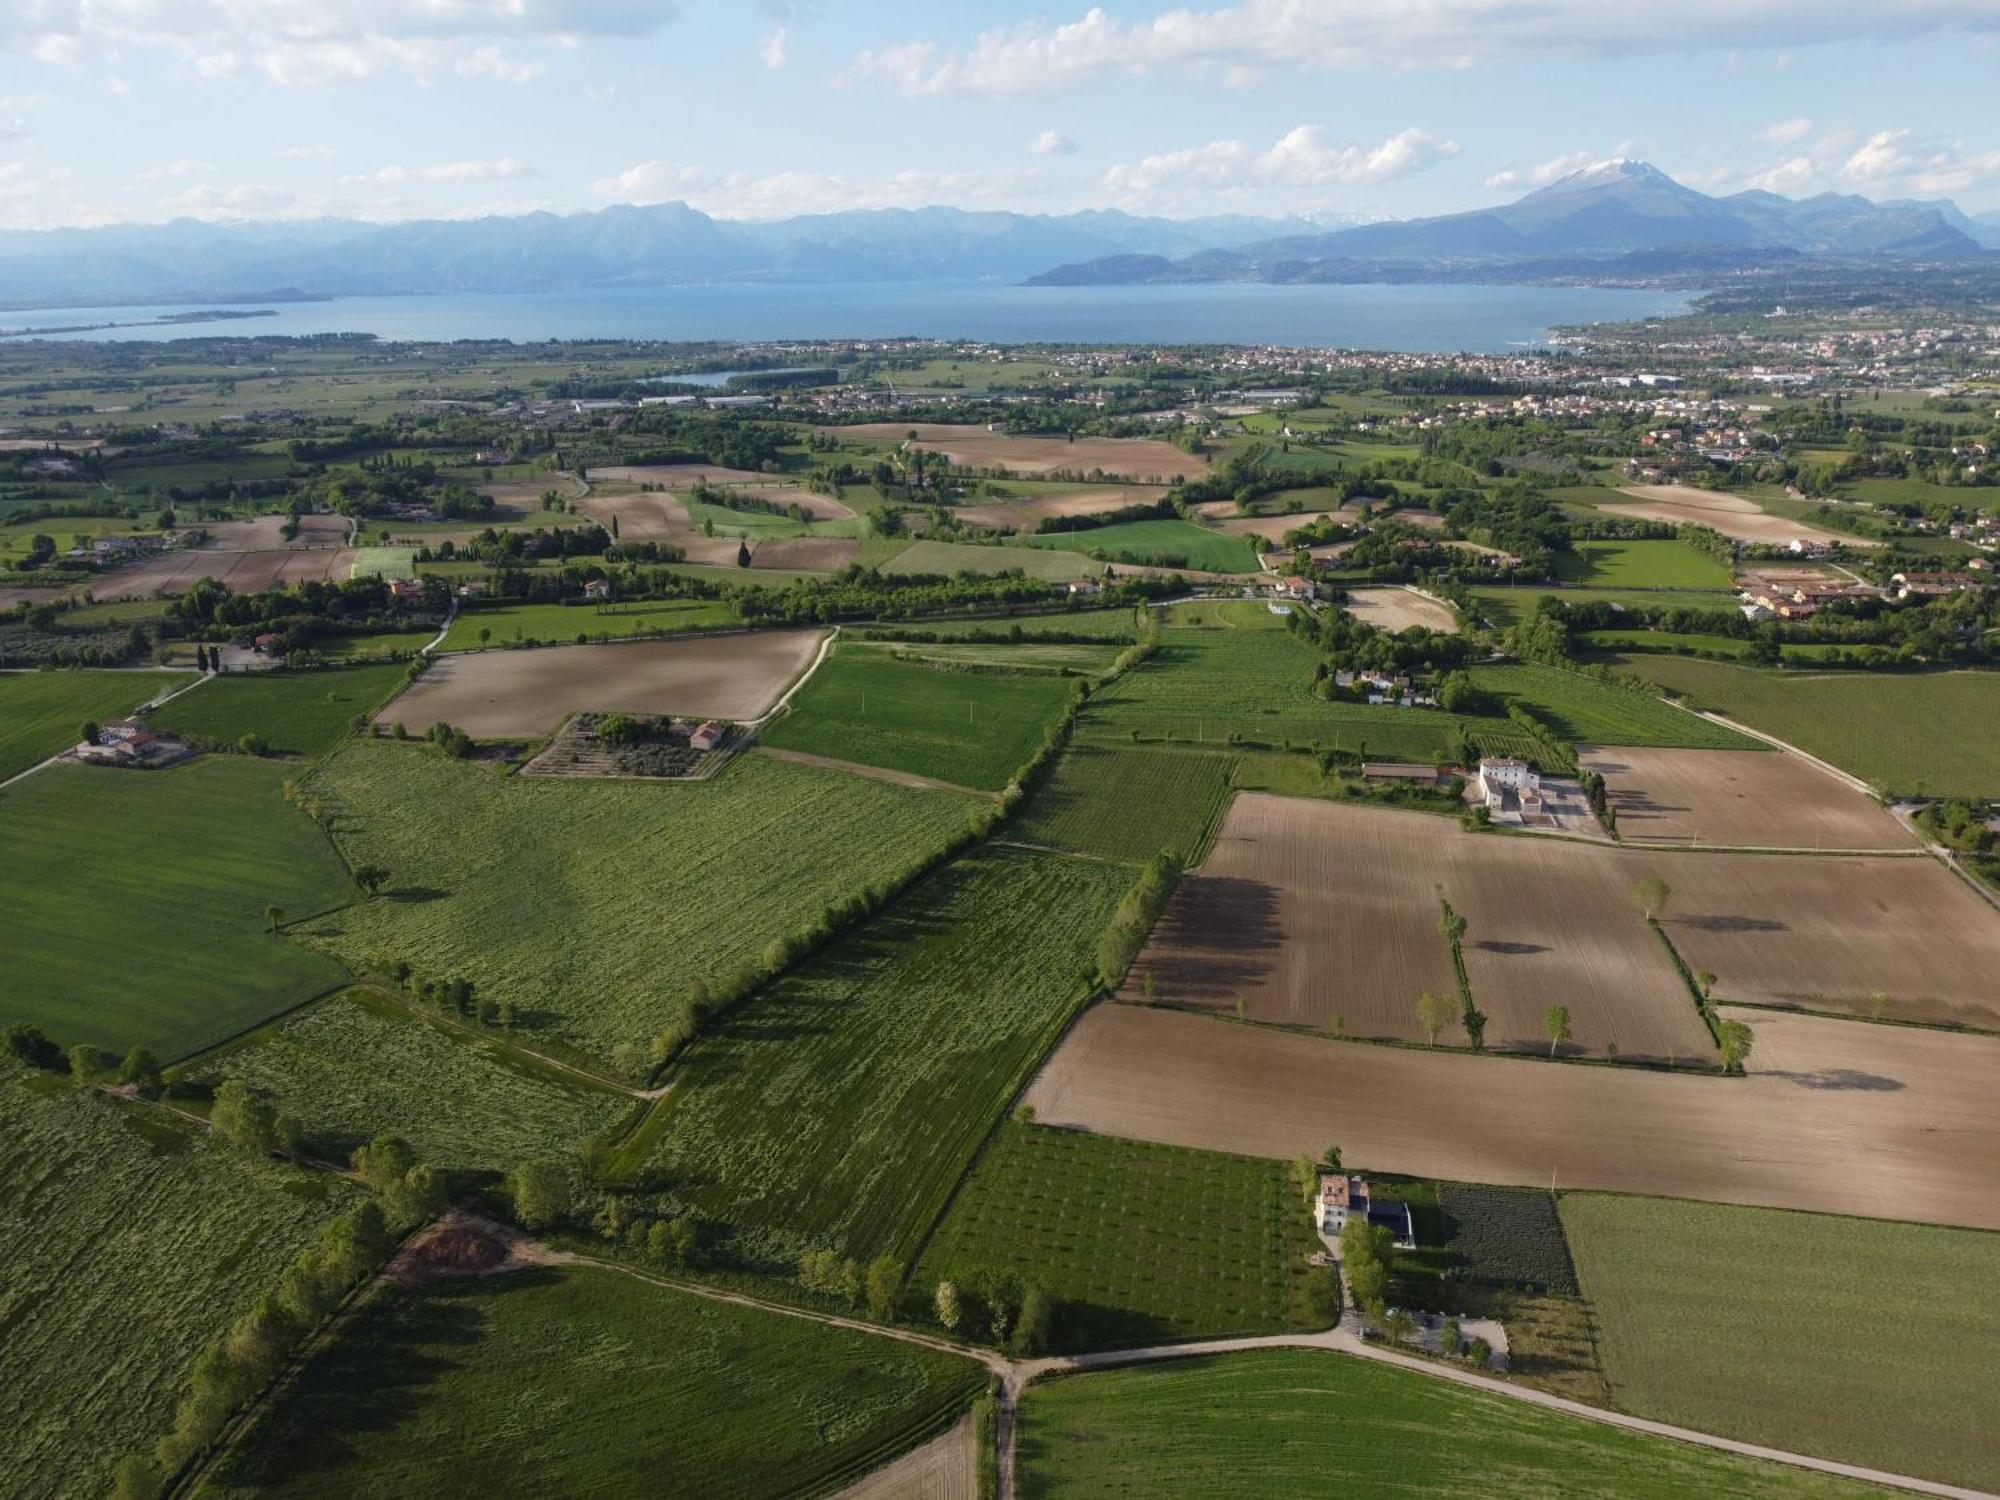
(1795,596)
(128,742)
(1399,691)
(1343,1197)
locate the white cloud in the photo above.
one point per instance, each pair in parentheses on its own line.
(309,151)
(1885,164)
(748,196)
(1052,143)
(1543,173)
(1791,176)
(177,171)
(1306,157)
(325,41)
(1253,36)
(449,172)
(771,47)
(1787,131)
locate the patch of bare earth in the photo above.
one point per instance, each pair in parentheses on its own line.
(1029,512)
(945,1468)
(1732,515)
(496,694)
(242,572)
(463,1245)
(1395,609)
(1772,801)
(1836,1116)
(804,554)
(1325,915)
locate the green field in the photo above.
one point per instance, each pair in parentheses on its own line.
(949,559)
(1888,1334)
(384,562)
(1585,711)
(1082,658)
(1135,1243)
(379,643)
(136,899)
(130,1239)
(43,712)
(1233,669)
(1674,642)
(1128,804)
(1173,543)
(841,1107)
(1930,733)
(296,713)
(1291,1422)
(357,1063)
(1507,606)
(1641,565)
(972,729)
(565,622)
(593,904)
(587,1382)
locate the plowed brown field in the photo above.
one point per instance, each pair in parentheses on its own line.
(496,694)
(1828,933)
(1732,515)
(1836,1116)
(1775,801)
(1398,609)
(1030,511)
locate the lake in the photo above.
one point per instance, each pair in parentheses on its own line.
(1418,319)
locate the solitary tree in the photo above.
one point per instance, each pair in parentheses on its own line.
(1555,1022)
(1452,925)
(541,1193)
(142,1070)
(742,554)
(371,878)
(950,1313)
(885,1284)
(1330,1158)
(1451,1339)
(1481,1353)
(1651,894)
(1878,1005)
(1705,982)
(83,1062)
(1434,1013)
(89,732)
(1735,1040)
(273,915)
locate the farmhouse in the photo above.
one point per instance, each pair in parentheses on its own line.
(597,588)
(1296,588)
(127,742)
(708,736)
(1342,1197)
(1512,788)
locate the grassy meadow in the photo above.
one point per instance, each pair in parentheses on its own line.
(1135,1243)
(295,713)
(1166,543)
(1888,1335)
(1585,711)
(1128,804)
(130,1239)
(505,624)
(1934,733)
(587,1382)
(1289,1422)
(949,559)
(137,900)
(592,905)
(1641,565)
(841,1107)
(972,729)
(43,712)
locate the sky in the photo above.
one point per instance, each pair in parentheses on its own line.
(1340,110)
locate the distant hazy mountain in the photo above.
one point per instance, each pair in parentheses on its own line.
(669,242)
(1618,211)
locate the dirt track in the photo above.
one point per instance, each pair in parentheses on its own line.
(497,694)
(945,1468)
(1774,801)
(1837,1116)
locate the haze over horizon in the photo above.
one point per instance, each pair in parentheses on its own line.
(150,110)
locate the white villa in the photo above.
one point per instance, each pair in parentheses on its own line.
(1511,788)
(1342,1197)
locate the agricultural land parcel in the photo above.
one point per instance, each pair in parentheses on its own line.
(1286,1422)
(1935,733)
(1683,1344)
(1880,1121)
(490,694)
(948,559)
(1098,624)
(1777,801)
(358,1062)
(565,622)
(1507,605)
(1029,511)
(1326,915)
(592,905)
(1170,543)
(1732,515)
(296,713)
(43,712)
(1136,1243)
(1142,459)
(130,1240)
(1129,804)
(588,1382)
(178,962)
(1400,609)
(842,1106)
(973,729)
(1645,564)
(1827,933)
(1581,708)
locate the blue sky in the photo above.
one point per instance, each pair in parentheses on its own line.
(1342,109)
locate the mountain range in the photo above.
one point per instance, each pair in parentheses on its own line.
(1620,220)
(1617,217)
(192,261)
